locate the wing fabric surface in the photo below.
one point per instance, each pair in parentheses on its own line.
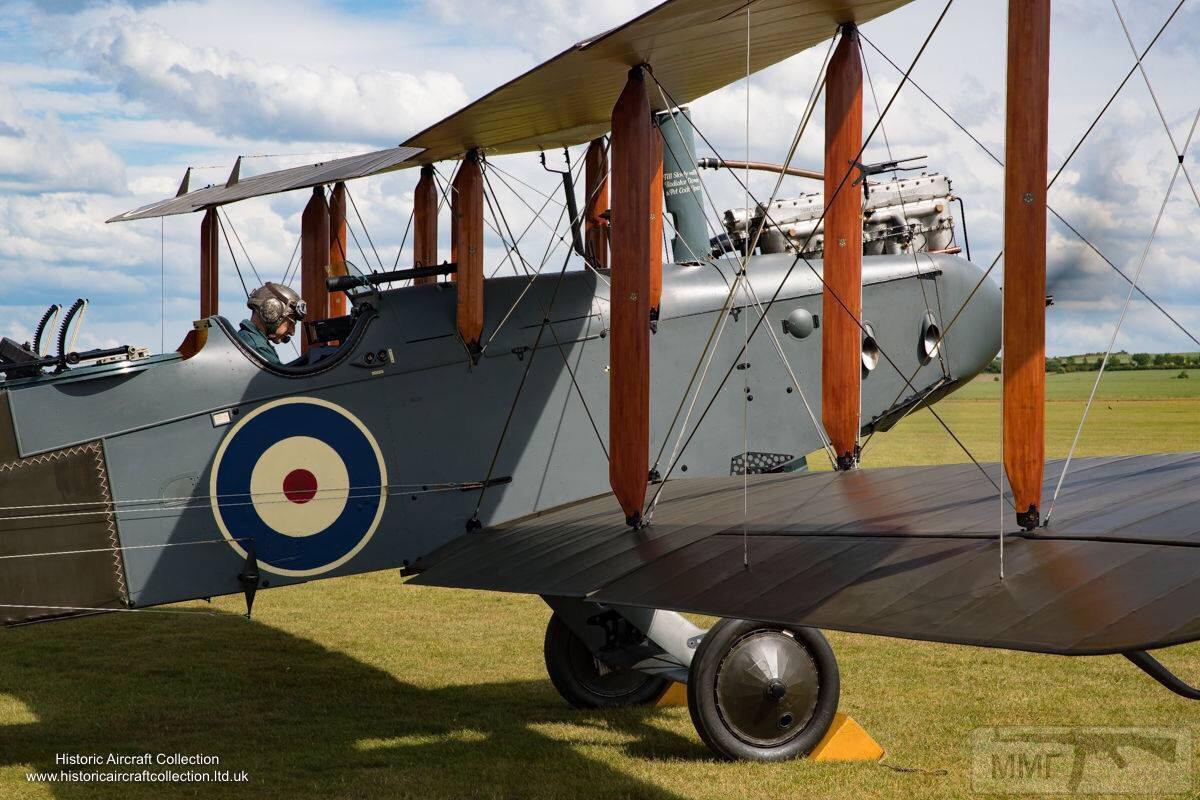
(305,177)
(694,47)
(906,552)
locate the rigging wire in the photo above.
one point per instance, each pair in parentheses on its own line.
(412,215)
(708,353)
(941,354)
(556,239)
(182,502)
(287,271)
(358,244)
(800,257)
(366,231)
(549,197)
(546,313)
(245,252)
(988,151)
(515,249)
(746,398)
(199,612)
(537,214)
(1063,220)
(162,284)
(1121,319)
(233,256)
(474,521)
(512,247)
(1154,97)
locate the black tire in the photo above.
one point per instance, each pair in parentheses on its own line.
(576,674)
(776,729)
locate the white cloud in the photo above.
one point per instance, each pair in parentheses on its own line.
(545,27)
(38,155)
(176,83)
(235,95)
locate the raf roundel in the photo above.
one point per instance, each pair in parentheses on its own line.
(304,480)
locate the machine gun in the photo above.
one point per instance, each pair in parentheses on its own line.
(28,361)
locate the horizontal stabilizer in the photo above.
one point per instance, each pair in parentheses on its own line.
(907,552)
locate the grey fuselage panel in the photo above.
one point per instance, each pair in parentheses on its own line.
(435,418)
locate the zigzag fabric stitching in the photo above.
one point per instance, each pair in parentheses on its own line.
(111,521)
(12,466)
(106,496)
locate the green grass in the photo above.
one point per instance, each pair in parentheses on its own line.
(1150,384)
(365,688)
(1134,412)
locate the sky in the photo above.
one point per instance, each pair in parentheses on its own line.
(103,105)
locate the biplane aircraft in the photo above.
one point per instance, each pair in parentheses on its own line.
(581,434)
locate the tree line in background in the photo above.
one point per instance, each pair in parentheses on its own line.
(1122,360)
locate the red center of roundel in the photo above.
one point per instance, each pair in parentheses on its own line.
(300,486)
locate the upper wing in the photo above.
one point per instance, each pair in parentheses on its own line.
(286,180)
(693,47)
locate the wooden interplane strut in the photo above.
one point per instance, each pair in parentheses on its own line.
(337,248)
(841,337)
(596,185)
(633,253)
(425,223)
(1025,254)
(210,247)
(466,248)
(314,256)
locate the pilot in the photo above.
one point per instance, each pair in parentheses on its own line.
(276,310)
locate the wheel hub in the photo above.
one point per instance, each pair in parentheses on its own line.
(767,687)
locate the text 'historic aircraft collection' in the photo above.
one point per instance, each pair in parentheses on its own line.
(579,430)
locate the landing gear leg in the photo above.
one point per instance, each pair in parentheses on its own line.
(762,692)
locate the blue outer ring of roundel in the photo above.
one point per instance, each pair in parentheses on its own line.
(243,452)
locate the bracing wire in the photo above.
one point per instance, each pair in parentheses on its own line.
(800,257)
(746,398)
(1062,167)
(514,249)
(287,271)
(404,239)
(233,256)
(1074,150)
(1124,312)
(709,351)
(502,219)
(1157,106)
(245,252)
(162,284)
(520,387)
(366,231)
(941,349)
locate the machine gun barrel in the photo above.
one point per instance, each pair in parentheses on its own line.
(342,283)
(71,358)
(760,166)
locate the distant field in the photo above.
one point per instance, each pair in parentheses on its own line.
(1150,384)
(364,688)
(1134,412)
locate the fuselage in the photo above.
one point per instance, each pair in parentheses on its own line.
(388,441)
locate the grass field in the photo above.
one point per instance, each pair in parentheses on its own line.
(364,688)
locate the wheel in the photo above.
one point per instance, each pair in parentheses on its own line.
(762,692)
(585,682)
